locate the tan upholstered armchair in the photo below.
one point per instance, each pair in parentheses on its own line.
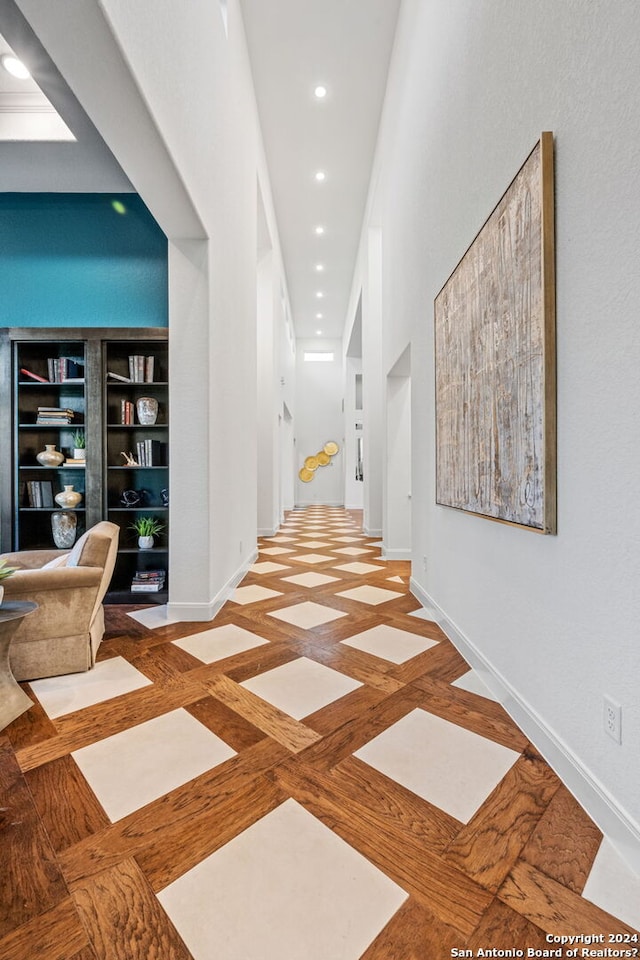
(64,633)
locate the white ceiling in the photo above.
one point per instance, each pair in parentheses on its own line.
(294,45)
(25,112)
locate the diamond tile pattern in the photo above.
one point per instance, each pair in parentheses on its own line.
(308,775)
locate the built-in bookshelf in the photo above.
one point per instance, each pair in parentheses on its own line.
(55,382)
(136,477)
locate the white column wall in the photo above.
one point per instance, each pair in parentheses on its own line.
(142,72)
(551,621)
(373,387)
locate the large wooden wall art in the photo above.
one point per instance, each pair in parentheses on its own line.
(495,360)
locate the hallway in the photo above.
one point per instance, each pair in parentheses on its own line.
(314,775)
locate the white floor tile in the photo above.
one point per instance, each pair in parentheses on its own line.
(134,767)
(312,558)
(312,544)
(371,595)
(267,566)
(424,613)
(75,691)
(451,767)
(301,687)
(275,551)
(395,579)
(154,617)
(352,551)
(472,682)
(347,539)
(254,593)
(307,615)
(357,566)
(278,539)
(614,887)
(389,643)
(287,888)
(219,642)
(310,579)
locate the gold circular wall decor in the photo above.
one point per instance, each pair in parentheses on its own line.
(323,458)
(331,447)
(311,463)
(305,475)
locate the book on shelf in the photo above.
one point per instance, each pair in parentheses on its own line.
(127,413)
(141,369)
(148,581)
(33,376)
(150,453)
(55,415)
(117,376)
(65,368)
(75,462)
(39,493)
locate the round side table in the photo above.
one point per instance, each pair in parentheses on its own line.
(13,699)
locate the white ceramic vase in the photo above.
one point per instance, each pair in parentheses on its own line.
(50,457)
(68,498)
(145,543)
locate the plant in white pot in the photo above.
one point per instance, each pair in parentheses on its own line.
(5,572)
(79,445)
(147,528)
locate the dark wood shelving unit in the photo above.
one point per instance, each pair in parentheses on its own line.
(96,404)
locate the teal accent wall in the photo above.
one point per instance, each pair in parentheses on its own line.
(73,260)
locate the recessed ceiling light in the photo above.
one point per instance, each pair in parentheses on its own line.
(319,231)
(319,333)
(319,316)
(14,66)
(320,92)
(319,294)
(320,176)
(319,267)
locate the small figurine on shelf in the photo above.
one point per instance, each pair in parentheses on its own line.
(129,459)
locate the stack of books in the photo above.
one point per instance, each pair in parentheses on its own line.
(148,581)
(141,369)
(65,369)
(127,412)
(39,493)
(150,453)
(57,416)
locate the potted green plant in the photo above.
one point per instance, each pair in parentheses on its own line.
(5,572)
(147,528)
(79,445)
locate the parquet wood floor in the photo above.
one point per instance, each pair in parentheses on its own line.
(76,886)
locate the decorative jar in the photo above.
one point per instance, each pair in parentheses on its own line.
(50,457)
(145,543)
(147,410)
(68,498)
(64,527)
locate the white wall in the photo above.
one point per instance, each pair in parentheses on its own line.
(554,619)
(353,489)
(196,170)
(318,419)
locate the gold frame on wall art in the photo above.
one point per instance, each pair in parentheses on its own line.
(495,360)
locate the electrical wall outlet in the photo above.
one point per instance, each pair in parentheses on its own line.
(612,719)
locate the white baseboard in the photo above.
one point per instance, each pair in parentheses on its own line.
(612,819)
(208,610)
(371,532)
(267,531)
(395,553)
